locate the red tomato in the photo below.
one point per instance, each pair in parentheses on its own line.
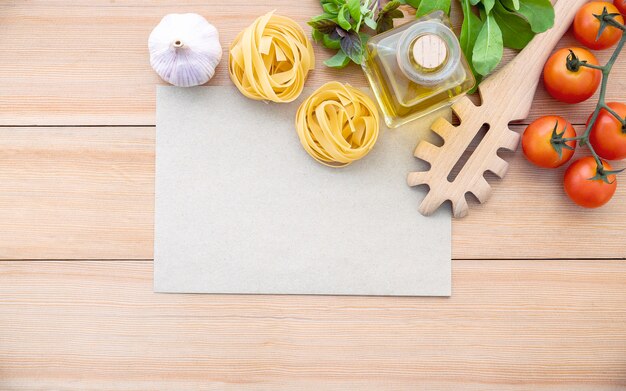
(585,192)
(621,6)
(537,145)
(567,85)
(608,136)
(586,26)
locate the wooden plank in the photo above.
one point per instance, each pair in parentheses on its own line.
(510,325)
(76,192)
(86,62)
(530,216)
(87,193)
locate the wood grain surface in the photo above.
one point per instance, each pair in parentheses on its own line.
(88,193)
(539,285)
(86,62)
(510,325)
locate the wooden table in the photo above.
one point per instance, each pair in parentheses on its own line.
(539,298)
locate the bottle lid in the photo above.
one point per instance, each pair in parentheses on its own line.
(428,52)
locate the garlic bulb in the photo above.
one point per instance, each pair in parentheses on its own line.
(184,49)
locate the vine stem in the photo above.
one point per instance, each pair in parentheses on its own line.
(568,139)
(606,70)
(615,114)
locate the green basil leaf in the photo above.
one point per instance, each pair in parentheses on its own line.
(342,18)
(317,35)
(392,5)
(413,3)
(395,14)
(474,2)
(428,6)
(384,20)
(516,31)
(371,23)
(385,23)
(470,28)
(352,46)
(339,60)
(538,13)
(488,49)
(325,26)
(367,9)
(331,43)
(330,8)
(488,4)
(354,7)
(516,5)
(322,17)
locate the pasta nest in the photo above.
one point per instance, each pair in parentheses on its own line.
(338,124)
(270,59)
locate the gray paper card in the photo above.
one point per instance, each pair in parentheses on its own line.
(242,208)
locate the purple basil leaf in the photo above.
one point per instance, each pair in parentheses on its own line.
(352,46)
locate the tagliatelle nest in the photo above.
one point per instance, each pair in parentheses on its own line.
(270,59)
(337,124)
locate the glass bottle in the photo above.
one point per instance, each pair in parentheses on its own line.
(416,68)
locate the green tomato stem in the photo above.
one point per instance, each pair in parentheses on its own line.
(600,166)
(568,139)
(610,20)
(587,65)
(615,114)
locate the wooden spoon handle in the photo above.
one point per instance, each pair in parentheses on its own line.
(517,81)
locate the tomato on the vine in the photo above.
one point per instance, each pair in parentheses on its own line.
(584,186)
(620,5)
(571,85)
(608,135)
(587,26)
(541,145)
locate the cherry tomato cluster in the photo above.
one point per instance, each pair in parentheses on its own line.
(573,75)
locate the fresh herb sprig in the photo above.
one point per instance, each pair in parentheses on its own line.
(339,27)
(424,7)
(491,25)
(488,27)
(384,20)
(499,24)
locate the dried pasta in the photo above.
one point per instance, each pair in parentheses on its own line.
(270,59)
(337,124)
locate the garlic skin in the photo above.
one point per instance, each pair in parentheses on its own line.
(184,49)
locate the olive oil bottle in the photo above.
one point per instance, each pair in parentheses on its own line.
(416,68)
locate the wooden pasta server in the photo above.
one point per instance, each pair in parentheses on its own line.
(506,96)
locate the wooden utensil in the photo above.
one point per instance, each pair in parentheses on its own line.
(506,96)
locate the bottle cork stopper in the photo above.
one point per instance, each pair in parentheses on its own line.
(429,52)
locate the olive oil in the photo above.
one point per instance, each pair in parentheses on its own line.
(416,68)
